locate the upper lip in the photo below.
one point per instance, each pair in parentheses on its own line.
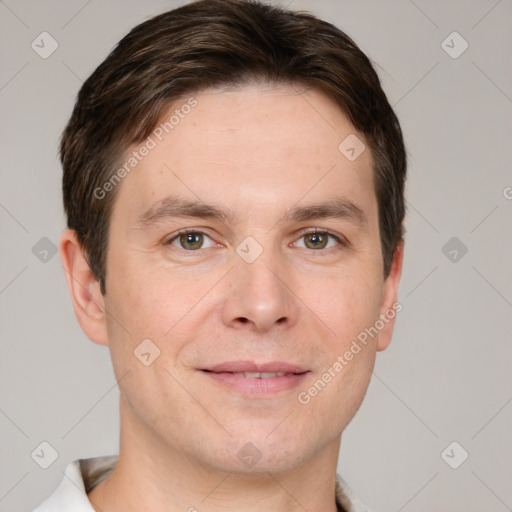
(251,366)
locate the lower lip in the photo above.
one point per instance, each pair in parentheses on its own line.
(258,387)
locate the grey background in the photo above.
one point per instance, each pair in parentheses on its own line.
(447,374)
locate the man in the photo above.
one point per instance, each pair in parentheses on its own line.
(233,184)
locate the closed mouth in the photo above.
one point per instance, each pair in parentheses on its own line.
(253,370)
(261,375)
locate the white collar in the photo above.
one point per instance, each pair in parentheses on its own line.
(82,475)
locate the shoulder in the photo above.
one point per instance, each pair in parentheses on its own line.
(346,497)
(79,477)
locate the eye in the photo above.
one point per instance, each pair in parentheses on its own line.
(191,240)
(319,240)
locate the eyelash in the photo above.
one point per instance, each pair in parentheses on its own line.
(340,240)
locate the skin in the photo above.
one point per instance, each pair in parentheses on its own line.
(258,151)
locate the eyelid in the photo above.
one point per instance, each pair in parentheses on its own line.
(168,240)
(338,237)
(303,232)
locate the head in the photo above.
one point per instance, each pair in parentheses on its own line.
(267,135)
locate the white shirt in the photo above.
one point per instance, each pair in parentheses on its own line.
(82,475)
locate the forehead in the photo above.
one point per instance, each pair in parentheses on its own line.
(252,147)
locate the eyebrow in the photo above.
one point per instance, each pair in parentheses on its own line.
(339,208)
(176,207)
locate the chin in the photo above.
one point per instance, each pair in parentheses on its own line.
(254,455)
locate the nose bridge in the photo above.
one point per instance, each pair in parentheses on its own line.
(258,293)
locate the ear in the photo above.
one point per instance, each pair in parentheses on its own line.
(390,305)
(84,289)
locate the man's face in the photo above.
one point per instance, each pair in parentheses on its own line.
(253,290)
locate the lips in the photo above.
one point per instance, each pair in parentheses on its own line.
(252,367)
(260,375)
(256,379)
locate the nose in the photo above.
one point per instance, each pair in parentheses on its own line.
(260,296)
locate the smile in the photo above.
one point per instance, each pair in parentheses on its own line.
(260,375)
(256,380)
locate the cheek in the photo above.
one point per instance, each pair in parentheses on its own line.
(147,306)
(141,297)
(150,303)
(346,302)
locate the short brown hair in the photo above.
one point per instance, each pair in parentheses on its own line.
(211,43)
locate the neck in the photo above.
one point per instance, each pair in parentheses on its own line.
(157,477)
